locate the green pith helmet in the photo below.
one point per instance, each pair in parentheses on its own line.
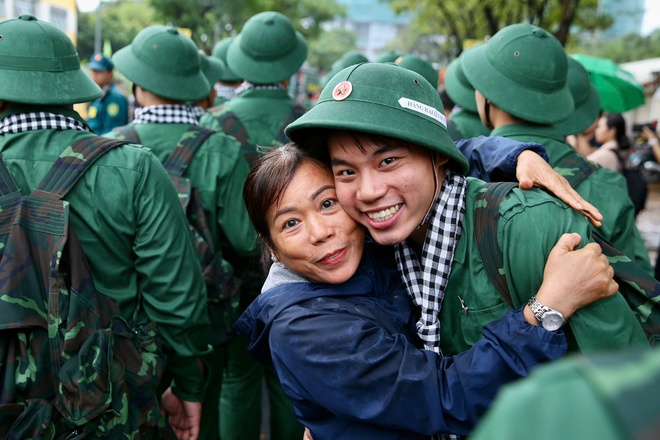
(421,66)
(39,65)
(522,70)
(165,62)
(212,68)
(220,52)
(458,87)
(268,50)
(350,58)
(383,99)
(389,57)
(586,98)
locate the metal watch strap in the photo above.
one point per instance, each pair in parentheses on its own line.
(539,310)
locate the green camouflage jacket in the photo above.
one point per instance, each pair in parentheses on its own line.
(128,219)
(605,189)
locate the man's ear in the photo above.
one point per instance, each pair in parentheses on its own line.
(440,160)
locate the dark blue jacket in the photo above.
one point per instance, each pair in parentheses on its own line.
(348,357)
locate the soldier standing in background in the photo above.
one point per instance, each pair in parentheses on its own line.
(164,66)
(111,109)
(266,53)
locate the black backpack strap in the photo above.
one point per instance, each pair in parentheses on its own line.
(127,133)
(7,183)
(296,112)
(72,164)
(575,168)
(486,218)
(193,138)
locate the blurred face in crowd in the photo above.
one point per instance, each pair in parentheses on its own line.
(310,232)
(101,77)
(604,133)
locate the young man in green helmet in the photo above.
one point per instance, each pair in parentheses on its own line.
(520,80)
(124,210)
(398,173)
(465,116)
(164,67)
(266,53)
(226,86)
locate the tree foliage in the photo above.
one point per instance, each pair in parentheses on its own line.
(211,20)
(329,47)
(120,22)
(465,20)
(628,48)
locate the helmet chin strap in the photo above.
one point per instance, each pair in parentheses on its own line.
(436,190)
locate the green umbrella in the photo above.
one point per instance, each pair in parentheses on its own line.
(619,90)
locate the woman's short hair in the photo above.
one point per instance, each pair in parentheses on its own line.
(269,177)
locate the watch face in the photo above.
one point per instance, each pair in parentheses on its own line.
(552,321)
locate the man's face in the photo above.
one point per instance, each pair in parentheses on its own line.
(386,186)
(101,77)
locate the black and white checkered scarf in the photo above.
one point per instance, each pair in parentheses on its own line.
(21,122)
(249,86)
(426,278)
(225,92)
(197,111)
(164,114)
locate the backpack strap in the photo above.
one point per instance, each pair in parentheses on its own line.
(640,290)
(575,169)
(296,112)
(7,183)
(486,218)
(72,164)
(193,138)
(127,133)
(231,124)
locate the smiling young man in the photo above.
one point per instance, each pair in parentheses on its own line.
(398,173)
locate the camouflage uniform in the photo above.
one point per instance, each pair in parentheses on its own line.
(124,229)
(619,226)
(124,209)
(217,170)
(262,109)
(539,221)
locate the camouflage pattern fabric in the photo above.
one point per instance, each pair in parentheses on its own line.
(575,168)
(71,366)
(233,126)
(221,285)
(639,289)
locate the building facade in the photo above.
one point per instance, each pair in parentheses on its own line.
(61,13)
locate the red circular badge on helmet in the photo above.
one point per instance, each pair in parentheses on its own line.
(342,91)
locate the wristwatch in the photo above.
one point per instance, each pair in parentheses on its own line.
(548,318)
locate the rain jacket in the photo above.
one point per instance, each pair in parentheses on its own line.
(349,358)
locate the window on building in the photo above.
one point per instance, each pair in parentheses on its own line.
(3,8)
(25,7)
(58,18)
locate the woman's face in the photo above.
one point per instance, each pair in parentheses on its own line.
(311,233)
(387,188)
(604,133)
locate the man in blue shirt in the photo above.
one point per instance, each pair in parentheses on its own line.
(111,109)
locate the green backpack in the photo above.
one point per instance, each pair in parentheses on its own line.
(71,366)
(640,290)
